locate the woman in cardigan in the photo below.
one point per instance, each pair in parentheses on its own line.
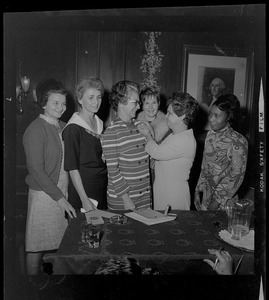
(150,98)
(151,113)
(47,180)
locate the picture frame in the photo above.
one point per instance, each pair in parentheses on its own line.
(234,66)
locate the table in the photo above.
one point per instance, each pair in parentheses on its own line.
(175,247)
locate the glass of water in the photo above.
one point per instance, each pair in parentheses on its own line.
(239,225)
(93,236)
(84,225)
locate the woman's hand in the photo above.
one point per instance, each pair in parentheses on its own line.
(88,205)
(145,129)
(224,264)
(67,208)
(197,200)
(128,202)
(213,205)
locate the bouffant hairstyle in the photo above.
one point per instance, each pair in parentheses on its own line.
(184,104)
(86,84)
(47,87)
(230,104)
(150,92)
(119,92)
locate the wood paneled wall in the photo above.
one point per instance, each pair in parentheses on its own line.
(111,56)
(39,55)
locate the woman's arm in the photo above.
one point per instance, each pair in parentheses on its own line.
(174,148)
(111,153)
(34,147)
(77,182)
(72,146)
(234,175)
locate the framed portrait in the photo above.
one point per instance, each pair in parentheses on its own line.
(232,66)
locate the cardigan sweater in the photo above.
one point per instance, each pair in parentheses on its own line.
(44,155)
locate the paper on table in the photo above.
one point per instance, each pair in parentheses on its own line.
(149,213)
(94,202)
(149,216)
(246,241)
(96,216)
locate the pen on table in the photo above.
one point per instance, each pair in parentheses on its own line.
(217,259)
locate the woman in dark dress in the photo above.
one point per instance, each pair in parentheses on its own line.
(83,151)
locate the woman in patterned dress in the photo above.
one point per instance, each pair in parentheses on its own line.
(224,158)
(47,180)
(124,151)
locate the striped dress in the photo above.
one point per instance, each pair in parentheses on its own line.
(127,165)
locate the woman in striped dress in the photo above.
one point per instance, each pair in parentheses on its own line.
(124,151)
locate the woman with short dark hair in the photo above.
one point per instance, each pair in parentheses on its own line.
(175,155)
(47,180)
(150,98)
(224,158)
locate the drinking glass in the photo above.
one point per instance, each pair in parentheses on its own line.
(239,225)
(93,236)
(84,225)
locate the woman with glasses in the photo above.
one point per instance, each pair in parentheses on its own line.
(124,151)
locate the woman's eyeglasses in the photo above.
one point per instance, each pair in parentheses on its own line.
(137,102)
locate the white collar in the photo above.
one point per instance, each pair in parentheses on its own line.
(76,119)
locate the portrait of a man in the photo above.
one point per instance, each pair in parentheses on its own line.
(213,82)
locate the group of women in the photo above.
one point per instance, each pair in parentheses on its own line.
(82,165)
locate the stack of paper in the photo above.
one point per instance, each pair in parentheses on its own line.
(149,216)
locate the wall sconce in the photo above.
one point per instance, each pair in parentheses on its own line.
(22,93)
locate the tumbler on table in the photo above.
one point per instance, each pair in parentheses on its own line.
(239,213)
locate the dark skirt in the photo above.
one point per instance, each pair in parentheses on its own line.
(95,188)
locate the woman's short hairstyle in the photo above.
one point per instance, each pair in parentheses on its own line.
(47,87)
(86,84)
(150,92)
(230,104)
(184,104)
(119,92)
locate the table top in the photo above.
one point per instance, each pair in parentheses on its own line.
(188,237)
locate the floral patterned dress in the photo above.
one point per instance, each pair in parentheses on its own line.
(223,166)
